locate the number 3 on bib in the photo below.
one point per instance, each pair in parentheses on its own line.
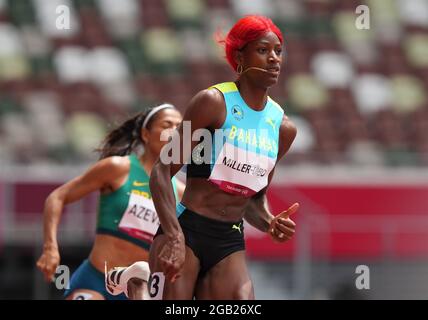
(156,284)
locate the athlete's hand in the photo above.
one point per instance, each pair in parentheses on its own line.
(48,262)
(282,228)
(172,257)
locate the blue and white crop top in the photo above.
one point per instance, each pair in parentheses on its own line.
(244,149)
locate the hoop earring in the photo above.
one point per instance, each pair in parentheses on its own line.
(240,69)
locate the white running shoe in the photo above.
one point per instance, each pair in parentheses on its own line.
(116,280)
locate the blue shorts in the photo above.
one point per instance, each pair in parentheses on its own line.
(87,277)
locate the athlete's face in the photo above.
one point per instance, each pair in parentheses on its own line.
(165,120)
(265,53)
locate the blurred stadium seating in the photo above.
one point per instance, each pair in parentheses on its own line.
(358,96)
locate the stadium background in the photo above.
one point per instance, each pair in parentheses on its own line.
(358,97)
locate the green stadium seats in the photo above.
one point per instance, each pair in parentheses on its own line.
(121,17)
(186,13)
(120,55)
(88,125)
(408,93)
(162,50)
(416,48)
(305,92)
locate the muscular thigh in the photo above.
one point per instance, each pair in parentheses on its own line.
(183,288)
(229,279)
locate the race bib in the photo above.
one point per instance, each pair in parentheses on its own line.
(140,219)
(241,172)
(156,285)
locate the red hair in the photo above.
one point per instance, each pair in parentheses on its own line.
(247,29)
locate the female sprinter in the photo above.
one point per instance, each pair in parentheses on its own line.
(127,219)
(199,250)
